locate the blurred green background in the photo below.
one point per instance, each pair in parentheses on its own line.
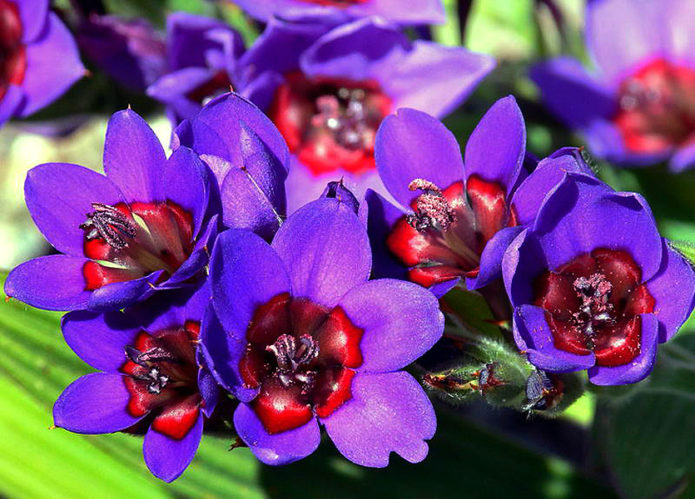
(636,441)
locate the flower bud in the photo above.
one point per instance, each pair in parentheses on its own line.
(501,376)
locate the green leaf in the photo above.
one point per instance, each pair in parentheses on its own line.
(582,411)
(686,248)
(36,461)
(648,433)
(471,314)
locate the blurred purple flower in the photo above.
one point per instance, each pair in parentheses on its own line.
(303,337)
(140,228)
(149,359)
(639,107)
(247,157)
(202,55)
(454,220)
(410,12)
(592,283)
(130,50)
(32,39)
(328,89)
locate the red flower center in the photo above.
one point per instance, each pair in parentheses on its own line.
(126,242)
(218,84)
(449,229)
(593,304)
(335,3)
(330,124)
(13,58)
(302,356)
(657,107)
(162,376)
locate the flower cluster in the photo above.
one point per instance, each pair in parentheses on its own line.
(300,247)
(295,330)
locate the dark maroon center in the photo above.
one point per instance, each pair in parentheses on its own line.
(126,242)
(302,357)
(445,236)
(162,378)
(13,59)
(329,123)
(294,358)
(593,304)
(657,107)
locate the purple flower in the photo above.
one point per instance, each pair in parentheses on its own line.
(592,283)
(248,158)
(328,88)
(411,12)
(303,337)
(32,39)
(148,358)
(140,228)
(638,108)
(130,50)
(202,55)
(454,220)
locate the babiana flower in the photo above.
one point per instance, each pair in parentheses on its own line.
(327,88)
(122,236)
(455,219)
(638,107)
(593,284)
(300,336)
(150,374)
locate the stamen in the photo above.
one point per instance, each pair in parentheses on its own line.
(133,354)
(283,349)
(156,381)
(432,210)
(150,356)
(293,357)
(595,309)
(109,224)
(308,350)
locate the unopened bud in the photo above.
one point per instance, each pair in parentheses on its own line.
(337,190)
(551,393)
(496,372)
